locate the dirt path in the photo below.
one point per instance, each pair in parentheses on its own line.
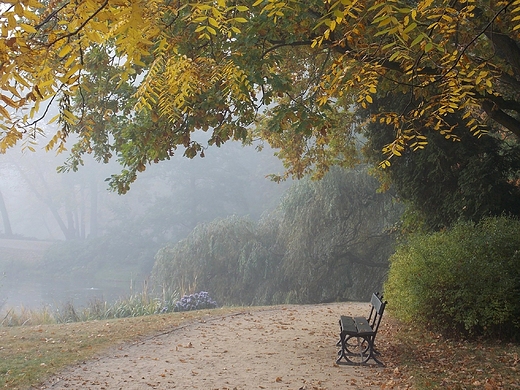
(292,347)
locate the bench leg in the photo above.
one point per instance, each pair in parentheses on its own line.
(356,350)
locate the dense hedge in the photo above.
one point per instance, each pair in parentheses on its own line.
(463,281)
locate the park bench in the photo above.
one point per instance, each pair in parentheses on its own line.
(357,335)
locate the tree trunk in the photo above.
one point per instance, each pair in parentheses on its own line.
(5,218)
(93,207)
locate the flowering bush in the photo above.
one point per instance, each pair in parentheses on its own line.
(197,301)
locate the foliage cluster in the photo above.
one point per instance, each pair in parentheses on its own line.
(328,240)
(198,301)
(179,68)
(462,281)
(449,181)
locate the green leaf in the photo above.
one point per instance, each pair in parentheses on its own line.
(412,26)
(417,40)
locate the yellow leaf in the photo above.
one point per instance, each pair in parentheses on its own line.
(94,36)
(216,13)
(11,22)
(200,19)
(8,101)
(69,61)
(53,119)
(30,15)
(69,117)
(28,28)
(20,79)
(368,98)
(74,70)
(385,164)
(65,50)
(45,83)
(4,113)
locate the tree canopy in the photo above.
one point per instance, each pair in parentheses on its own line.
(288,71)
(449,182)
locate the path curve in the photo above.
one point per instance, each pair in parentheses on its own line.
(287,347)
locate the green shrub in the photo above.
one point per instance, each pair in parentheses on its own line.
(463,281)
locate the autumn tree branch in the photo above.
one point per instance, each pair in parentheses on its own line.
(75,32)
(498,115)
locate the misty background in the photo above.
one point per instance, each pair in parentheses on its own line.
(66,237)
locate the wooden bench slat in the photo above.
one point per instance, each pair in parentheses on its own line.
(377,304)
(363,327)
(347,324)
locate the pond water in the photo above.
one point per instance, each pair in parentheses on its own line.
(25,284)
(34,294)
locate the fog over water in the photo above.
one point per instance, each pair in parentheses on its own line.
(61,234)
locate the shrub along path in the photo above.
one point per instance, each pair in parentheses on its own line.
(286,347)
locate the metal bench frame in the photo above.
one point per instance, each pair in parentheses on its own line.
(357,335)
